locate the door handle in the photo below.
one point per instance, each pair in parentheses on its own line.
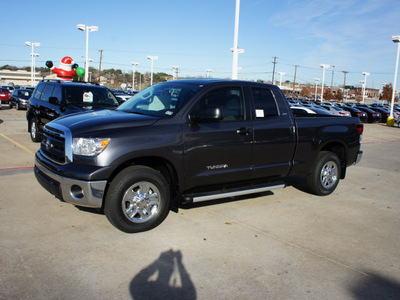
(244,131)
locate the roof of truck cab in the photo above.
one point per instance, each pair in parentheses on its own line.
(208,81)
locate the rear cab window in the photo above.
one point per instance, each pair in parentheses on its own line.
(264,103)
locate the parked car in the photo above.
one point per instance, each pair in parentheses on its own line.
(372,115)
(4,95)
(19,99)
(122,97)
(385,113)
(10,88)
(309,110)
(356,113)
(185,141)
(55,98)
(336,111)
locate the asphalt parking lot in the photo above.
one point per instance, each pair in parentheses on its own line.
(285,244)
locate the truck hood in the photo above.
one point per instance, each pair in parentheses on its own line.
(86,122)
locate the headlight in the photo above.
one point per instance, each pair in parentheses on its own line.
(89,146)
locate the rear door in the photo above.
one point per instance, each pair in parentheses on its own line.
(274,138)
(217,152)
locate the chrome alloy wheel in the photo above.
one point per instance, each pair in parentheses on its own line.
(33,129)
(141,202)
(329,176)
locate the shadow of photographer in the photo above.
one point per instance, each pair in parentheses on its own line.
(165,278)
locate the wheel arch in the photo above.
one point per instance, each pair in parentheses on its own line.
(340,150)
(160,164)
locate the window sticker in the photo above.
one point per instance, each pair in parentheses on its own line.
(259,113)
(87,97)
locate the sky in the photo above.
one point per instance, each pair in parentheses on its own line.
(353,35)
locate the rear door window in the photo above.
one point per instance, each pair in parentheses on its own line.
(47,92)
(264,102)
(39,90)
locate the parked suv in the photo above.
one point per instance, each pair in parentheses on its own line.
(55,98)
(19,98)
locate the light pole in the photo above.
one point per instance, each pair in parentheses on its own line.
(33,55)
(365,84)
(280,79)
(316,82)
(152,58)
(134,64)
(395,39)
(235,48)
(324,66)
(83,27)
(175,69)
(208,73)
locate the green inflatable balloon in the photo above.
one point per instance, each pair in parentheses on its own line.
(80,71)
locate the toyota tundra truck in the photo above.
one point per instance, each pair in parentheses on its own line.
(186,141)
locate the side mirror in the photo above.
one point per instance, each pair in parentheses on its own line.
(54,100)
(207,114)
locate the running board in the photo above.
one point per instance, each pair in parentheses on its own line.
(238,193)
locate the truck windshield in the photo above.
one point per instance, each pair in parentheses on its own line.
(160,100)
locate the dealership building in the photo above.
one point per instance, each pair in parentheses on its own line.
(19,77)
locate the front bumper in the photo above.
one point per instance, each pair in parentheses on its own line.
(77,192)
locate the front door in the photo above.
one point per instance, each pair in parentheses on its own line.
(216,152)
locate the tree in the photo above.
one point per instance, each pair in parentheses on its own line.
(387,92)
(358,97)
(328,94)
(306,91)
(339,95)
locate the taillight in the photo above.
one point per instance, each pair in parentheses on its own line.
(359,114)
(388,114)
(374,115)
(360,128)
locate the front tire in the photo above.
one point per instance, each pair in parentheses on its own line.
(325,175)
(137,200)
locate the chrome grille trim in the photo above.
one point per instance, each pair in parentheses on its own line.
(60,139)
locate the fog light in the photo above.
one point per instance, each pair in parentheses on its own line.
(77,192)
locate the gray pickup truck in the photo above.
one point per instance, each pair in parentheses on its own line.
(185,141)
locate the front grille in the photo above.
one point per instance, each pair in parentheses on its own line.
(53,145)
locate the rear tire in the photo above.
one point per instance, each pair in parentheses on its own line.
(325,175)
(33,130)
(137,200)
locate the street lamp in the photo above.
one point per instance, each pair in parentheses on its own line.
(152,58)
(316,82)
(365,84)
(208,73)
(235,48)
(324,66)
(175,69)
(33,55)
(134,64)
(83,27)
(396,40)
(280,79)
